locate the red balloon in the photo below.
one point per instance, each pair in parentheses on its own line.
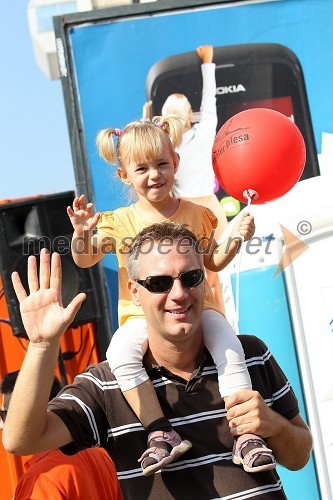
(261,150)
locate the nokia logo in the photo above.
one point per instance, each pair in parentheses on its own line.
(230,89)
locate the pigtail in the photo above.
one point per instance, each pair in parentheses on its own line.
(105,145)
(172,125)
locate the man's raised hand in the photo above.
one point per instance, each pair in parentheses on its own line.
(43,315)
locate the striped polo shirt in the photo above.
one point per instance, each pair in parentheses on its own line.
(96,414)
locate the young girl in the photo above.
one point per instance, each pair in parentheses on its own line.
(148,162)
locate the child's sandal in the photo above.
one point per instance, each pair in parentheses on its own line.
(257,458)
(164,448)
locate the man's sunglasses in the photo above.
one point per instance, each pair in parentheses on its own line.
(3,415)
(162,284)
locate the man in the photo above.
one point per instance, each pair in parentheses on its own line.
(92,411)
(90,474)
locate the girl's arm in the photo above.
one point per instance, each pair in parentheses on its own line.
(146,111)
(87,248)
(208,111)
(218,256)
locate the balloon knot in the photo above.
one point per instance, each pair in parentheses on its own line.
(250,194)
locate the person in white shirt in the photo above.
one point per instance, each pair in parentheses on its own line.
(195,178)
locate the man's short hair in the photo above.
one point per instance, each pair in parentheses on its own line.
(164,232)
(9,381)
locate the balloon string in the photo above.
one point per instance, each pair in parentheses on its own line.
(249,200)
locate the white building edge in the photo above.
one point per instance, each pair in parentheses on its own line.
(40,14)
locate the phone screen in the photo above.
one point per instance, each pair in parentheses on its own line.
(282,104)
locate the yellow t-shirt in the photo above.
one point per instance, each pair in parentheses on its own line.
(123,224)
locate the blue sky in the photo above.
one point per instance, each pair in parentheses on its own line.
(35,151)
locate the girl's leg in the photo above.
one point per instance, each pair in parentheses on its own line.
(227,352)
(125,355)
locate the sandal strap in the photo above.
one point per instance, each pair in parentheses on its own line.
(252,455)
(258,442)
(246,439)
(171,438)
(157,453)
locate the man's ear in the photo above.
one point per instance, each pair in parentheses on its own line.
(134,291)
(176,162)
(123,176)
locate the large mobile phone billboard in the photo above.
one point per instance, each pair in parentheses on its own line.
(274,54)
(268,53)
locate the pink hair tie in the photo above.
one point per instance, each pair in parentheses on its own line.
(117,132)
(159,124)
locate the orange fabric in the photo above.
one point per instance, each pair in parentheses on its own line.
(88,475)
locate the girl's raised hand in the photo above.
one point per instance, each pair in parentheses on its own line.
(205,52)
(81,216)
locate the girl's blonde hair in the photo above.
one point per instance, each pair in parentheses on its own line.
(140,139)
(177,104)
